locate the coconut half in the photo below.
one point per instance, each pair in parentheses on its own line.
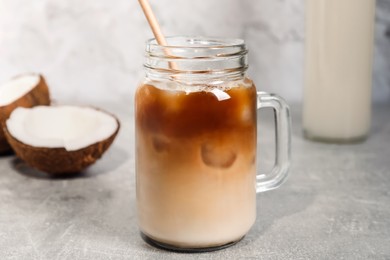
(22,91)
(60,139)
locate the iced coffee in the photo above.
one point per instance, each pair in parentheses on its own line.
(196,162)
(195,122)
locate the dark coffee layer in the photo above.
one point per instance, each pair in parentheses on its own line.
(178,114)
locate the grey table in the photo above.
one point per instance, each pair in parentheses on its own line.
(335,204)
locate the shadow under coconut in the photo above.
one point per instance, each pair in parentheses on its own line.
(23,168)
(110,161)
(7,154)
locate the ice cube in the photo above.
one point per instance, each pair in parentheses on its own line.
(246,114)
(161,143)
(216,155)
(221,95)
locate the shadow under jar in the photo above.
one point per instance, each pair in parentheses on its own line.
(196,124)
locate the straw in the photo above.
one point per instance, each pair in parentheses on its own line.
(154,25)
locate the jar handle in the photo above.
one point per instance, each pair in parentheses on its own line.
(279,172)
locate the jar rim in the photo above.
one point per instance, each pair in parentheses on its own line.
(196,59)
(202,42)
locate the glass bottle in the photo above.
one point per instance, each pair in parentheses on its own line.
(338,69)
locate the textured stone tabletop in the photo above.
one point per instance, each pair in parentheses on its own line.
(335,204)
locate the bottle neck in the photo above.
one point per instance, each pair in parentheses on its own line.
(196,60)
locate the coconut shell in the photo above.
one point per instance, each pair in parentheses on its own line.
(39,95)
(59,161)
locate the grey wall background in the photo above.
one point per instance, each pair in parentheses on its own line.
(92,50)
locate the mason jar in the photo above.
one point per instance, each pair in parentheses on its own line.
(196,129)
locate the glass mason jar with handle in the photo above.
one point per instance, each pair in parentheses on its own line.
(196,140)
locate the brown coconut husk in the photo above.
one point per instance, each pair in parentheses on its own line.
(59,161)
(39,95)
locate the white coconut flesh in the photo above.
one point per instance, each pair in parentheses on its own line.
(68,127)
(17,88)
